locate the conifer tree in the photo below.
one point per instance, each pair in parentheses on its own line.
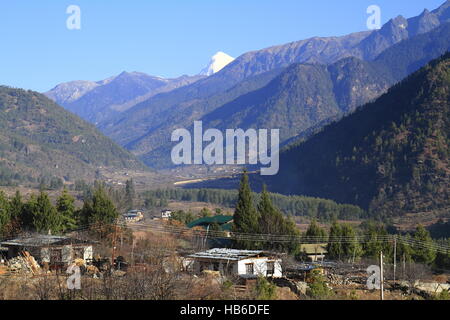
(129,194)
(5,215)
(16,205)
(65,205)
(45,217)
(422,249)
(102,209)
(351,248)
(334,243)
(245,215)
(315,232)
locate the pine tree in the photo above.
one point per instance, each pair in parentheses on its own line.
(271,221)
(129,194)
(205,212)
(375,241)
(350,246)
(245,214)
(315,232)
(334,248)
(5,215)
(65,205)
(16,206)
(102,208)
(422,248)
(45,217)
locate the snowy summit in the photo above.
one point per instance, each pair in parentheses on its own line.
(219,61)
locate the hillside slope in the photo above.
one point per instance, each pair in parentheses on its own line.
(39,138)
(391,156)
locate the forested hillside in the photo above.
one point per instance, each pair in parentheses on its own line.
(390,156)
(38,139)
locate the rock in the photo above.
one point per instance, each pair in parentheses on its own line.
(301,287)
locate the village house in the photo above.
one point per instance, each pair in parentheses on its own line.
(54,251)
(166,214)
(243,263)
(133,216)
(314,252)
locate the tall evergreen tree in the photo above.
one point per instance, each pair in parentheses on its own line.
(335,250)
(351,248)
(16,208)
(16,205)
(273,222)
(45,217)
(375,241)
(65,205)
(5,215)
(315,232)
(101,209)
(129,194)
(270,219)
(423,251)
(245,215)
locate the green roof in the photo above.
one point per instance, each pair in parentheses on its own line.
(221,220)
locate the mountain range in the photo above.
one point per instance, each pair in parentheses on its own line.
(40,140)
(390,156)
(219,61)
(297,87)
(146,128)
(99,101)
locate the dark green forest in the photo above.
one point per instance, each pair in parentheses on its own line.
(322,209)
(391,157)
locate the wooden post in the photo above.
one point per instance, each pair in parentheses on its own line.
(381,276)
(113,246)
(395,256)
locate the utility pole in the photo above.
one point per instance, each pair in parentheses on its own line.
(113,245)
(395,255)
(381,276)
(132,253)
(206,237)
(404,266)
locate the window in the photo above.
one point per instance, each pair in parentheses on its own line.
(270,268)
(56,256)
(78,253)
(249,268)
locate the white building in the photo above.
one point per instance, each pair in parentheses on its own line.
(243,263)
(166,214)
(133,216)
(54,250)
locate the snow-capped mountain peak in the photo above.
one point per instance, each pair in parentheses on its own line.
(219,61)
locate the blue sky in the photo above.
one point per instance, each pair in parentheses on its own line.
(163,37)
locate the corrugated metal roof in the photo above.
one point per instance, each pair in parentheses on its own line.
(43,240)
(227,254)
